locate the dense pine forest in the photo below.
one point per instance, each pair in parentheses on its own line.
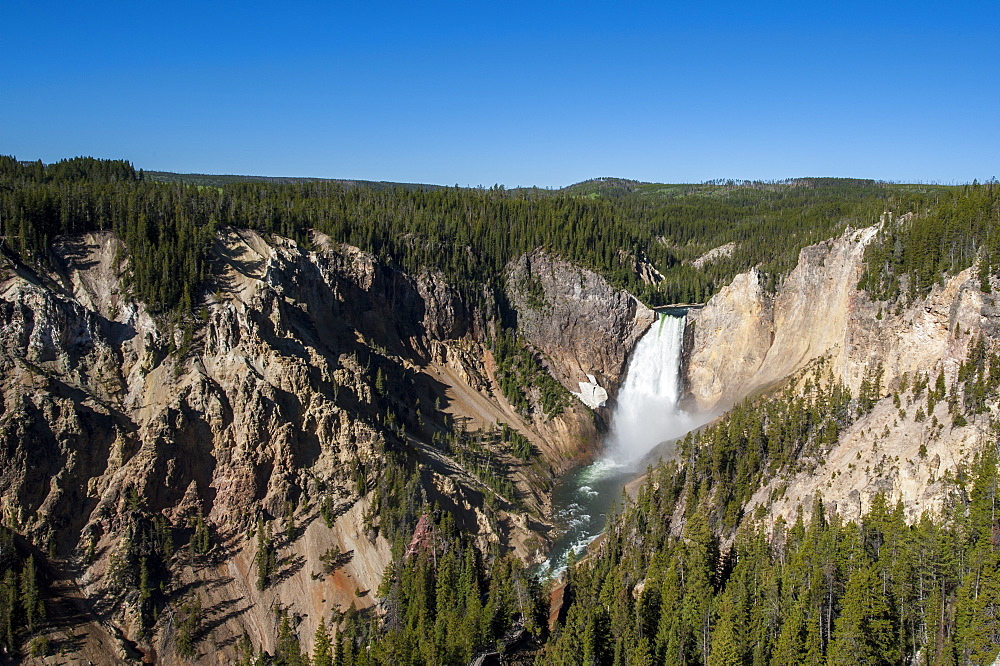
(468,234)
(910,257)
(818,591)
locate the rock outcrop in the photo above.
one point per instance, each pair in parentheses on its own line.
(582,324)
(745,341)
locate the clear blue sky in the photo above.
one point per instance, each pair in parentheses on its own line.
(480,92)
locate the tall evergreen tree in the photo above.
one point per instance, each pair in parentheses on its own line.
(322,648)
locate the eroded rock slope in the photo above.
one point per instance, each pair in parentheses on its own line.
(746,341)
(305,392)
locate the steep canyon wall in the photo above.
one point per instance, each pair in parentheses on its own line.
(746,341)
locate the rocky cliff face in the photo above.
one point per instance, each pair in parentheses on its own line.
(573,316)
(303,375)
(746,341)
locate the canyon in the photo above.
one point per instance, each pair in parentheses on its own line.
(746,341)
(311,374)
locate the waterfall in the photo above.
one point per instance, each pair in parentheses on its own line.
(648,412)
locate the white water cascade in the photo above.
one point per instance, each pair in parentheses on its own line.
(648,412)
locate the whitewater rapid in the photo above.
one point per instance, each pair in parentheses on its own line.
(647,412)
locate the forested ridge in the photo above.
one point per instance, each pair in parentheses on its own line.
(468,234)
(913,253)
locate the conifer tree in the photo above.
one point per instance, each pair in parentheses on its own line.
(266,556)
(322,649)
(727,642)
(863,634)
(189,626)
(31,600)
(201,538)
(9,611)
(289,651)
